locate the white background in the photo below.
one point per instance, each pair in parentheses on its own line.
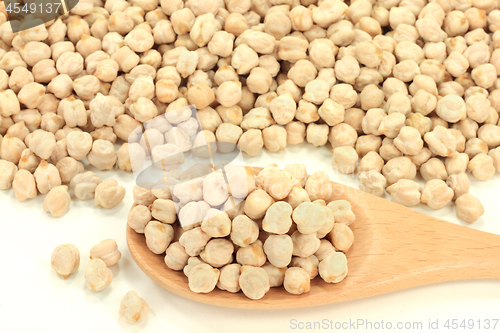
(33,298)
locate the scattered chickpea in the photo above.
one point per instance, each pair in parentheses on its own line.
(109,194)
(97,275)
(65,260)
(133,308)
(469,208)
(107,251)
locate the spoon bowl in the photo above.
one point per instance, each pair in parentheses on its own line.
(394,248)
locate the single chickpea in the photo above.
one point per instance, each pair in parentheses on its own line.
(434,168)
(252,255)
(244,231)
(455,23)
(254,282)
(257,204)
(158,236)
(482,166)
(24,185)
(97,275)
(107,251)
(11,149)
(133,308)
(440,141)
(278,249)
(176,258)
(244,59)
(344,159)
(399,168)
(436,194)
(409,141)
(274,138)
(468,208)
(7,175)
(405,192)
(318,186)
(297,281)
(342,135)
(373,182)
(391,125)
(229,93)
(65,260)
(333,268)
(229,278)
(347,69)
(371,123)
(201,95)
(78,144)
(371,161)
(109,194)
(459,183)
(259,80)
(57,201)
(317,134)
(398,103)
(251,142)
(456,163)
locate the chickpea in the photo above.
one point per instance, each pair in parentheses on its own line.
(456,163)
(344,159)
(409,141)
(398,103)
(297,281)
(333,268)
(244,231)
(229,278)
(257,203)
(440,141)
(370,161)
(133,308)
(109,194)
(482,166)
(274,138)
(251,142)
(252,255)
(399,168)
(107,251)
(79,144)
(259,80)
(65,260)
(57,201)
(97,275)
(436,194)
(373,182)
(278,249)
(176,258)
(477,107)
(11,149)
(459,183)
(254,282)
(318,186)
(304,245)
(317,134)
(391,125)
(342,135)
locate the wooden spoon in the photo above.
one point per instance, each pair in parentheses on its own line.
(395,248)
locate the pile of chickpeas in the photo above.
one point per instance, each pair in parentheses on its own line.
(285,232)
(396,87)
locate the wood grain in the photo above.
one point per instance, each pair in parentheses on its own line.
(395,248)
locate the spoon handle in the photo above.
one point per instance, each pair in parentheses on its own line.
(431,248)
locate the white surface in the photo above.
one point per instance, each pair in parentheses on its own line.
(33,298)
